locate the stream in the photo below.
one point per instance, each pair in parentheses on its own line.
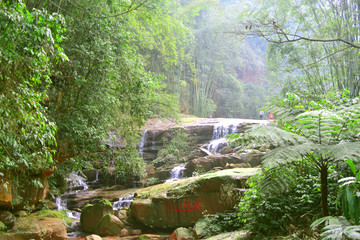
(79,186)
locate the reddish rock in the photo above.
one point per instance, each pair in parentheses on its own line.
(10,193)
(124,232)
(182,203)
(38,228)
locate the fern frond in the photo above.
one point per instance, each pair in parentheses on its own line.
(321,125)
(343,151)
(288,154)
(276,181)
(273,136)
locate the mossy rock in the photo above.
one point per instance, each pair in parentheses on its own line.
(92,214)
(54,214)
(109,225)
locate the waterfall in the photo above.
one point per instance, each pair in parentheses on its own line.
(220,131)
(76,183)
(96,176)
(177,173)
(123,202)
(142,143)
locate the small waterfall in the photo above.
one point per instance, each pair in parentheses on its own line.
(220,131)
(142,143)
(123,202)
(153,140)
(96,176)
(176,173)
(76,183)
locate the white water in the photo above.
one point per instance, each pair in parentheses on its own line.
(96,176)
(76,183)
(176,173)
(123,202)
(220,131)
(142,143)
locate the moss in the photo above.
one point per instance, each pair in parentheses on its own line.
(54,214)
(183,186)
(2,227)
(104,202)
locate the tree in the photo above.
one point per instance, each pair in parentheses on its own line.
(29,49)
(313,44)
(323,136)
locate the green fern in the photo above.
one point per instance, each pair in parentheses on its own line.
(337,228)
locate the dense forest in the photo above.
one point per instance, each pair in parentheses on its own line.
(76,74)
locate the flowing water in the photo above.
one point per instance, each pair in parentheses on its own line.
(221,130)
(176,173)
(142,143)
(76,183)
(123,202)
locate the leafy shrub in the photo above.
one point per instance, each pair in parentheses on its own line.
(175,150)
(220,223)
(152,181)
(266,212)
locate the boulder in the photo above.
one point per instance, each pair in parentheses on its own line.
(37,228)
(7,218)
(200,229)
(208,163)
(181,234)
(93,237)
(92,214)
(182,203)
(12,196)
(109,225)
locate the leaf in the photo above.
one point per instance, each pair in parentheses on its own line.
(352,166)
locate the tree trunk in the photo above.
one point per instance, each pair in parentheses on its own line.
(324,191)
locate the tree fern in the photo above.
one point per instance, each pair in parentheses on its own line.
(320,126)
(271,136)
(337,228)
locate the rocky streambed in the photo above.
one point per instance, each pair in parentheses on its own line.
(178,200)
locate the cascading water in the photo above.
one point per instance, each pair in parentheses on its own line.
(123,202)
(142,143)
(220,131)
(177,173)
(76,183)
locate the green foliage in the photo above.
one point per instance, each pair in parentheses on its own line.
(349,194)
(220,223)
(337,228)
(152,181)
(175,150)
(29,47)
(54,214)
(267,209)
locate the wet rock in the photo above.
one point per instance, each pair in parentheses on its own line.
(109,225)
(92,214)
(181,234)
(93,237)
(7,218)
